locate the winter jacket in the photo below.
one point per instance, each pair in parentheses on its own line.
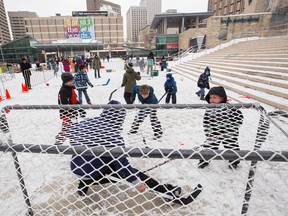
(66,65)
(103,132)
(25,68)
(129,79)
(151,99)
(203,81)
(170,85)
(67,95)
(223,120)
(81,79)
(96,63)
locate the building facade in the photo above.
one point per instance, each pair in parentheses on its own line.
(17,22)
(4,29)
(98,5)
(226,7)
(153,7)
(232,7)
(136,19)
(108,30)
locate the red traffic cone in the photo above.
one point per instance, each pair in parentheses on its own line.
(8,97)
(1,99)
(24,88)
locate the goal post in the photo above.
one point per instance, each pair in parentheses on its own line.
(49,175)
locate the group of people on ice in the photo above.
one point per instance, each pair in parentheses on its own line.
(220,126)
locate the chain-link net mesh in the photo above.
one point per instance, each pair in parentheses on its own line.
(160,160)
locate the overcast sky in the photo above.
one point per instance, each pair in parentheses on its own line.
(65,7)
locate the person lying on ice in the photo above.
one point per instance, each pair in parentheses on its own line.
(105,131)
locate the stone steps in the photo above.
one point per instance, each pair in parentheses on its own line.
(257,79)
(251,58)
(277,91)
(271,75)
(247,67)
(259,96)
(260,63)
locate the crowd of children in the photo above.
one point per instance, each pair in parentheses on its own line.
(220,125)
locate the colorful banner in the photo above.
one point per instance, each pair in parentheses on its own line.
(76,27)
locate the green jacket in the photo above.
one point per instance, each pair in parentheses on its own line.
(129,79)
(96,63)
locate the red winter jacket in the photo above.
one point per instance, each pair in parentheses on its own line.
(66,65)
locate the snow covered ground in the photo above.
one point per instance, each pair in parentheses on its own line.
(51,185)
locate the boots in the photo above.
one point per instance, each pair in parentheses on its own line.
(202,97)
(198,94)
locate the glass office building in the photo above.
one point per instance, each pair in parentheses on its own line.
(13,51)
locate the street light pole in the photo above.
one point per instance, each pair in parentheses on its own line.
(2,53)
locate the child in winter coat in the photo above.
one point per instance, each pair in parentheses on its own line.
(203,82)
(170,88)
(221,125)
(129,81)
(67,96)
(146,95)
(66,65)
(142,65)
(94,169)
(81,80)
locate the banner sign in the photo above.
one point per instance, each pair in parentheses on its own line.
(240,20)
(171,46)
(89,13)
(76,27)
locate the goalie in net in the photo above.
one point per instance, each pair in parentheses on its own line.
(105,131)
(221,125)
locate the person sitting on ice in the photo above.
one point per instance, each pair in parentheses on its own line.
(221,125)
(104,131)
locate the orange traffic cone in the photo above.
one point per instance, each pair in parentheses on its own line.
(24,88)
(8,97)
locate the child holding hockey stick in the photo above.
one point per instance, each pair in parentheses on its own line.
(81,80)
(221,125)
(146,95)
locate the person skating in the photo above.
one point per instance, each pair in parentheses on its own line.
(203,82)
(94,170)
(171,88)
(221,125)
(146,95)
(81,80)
(97,66)
(129,81)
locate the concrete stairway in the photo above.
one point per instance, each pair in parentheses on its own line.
(258,69)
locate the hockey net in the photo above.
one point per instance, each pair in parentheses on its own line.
(38,177)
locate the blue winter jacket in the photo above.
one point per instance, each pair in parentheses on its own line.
(104,132)
(170,85)
(151,99)
(203,81)
(81,79)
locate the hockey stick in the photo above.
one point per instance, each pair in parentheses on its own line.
(181,201)
(104,84)
(110,97)
(163,96)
